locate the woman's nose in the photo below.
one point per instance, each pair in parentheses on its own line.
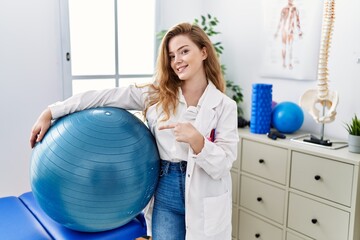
(178,58)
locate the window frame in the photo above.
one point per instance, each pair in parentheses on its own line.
(66,51)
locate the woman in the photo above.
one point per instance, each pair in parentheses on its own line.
(195,127)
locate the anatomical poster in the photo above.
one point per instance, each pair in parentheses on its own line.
(292,35)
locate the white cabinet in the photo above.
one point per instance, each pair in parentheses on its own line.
(264,199)
(284,190)
(316,219)
(322,177)
(265,161)
(254,228)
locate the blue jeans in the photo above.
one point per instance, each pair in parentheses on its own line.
(168,218)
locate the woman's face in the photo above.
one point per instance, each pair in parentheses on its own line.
(186,59)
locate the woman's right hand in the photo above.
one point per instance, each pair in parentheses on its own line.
(40,127)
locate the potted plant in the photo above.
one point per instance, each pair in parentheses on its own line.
(353,129)
(208,24)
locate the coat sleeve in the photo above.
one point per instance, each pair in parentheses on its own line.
(130,98)
(217,157)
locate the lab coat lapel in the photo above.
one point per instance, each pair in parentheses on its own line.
(204,123)
(207,112)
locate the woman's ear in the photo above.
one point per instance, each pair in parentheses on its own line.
(204,53)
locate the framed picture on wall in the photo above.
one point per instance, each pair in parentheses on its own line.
(292,35)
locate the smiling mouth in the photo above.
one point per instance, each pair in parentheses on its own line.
(181,69)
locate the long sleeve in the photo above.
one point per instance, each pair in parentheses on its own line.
(130,98)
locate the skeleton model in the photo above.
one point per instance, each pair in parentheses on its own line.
(322,97)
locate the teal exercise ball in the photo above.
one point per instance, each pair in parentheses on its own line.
(95,169)
(287,117)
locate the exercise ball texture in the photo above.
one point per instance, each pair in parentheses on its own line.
(95,170)
(287,117)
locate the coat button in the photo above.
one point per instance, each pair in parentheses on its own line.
(188,175)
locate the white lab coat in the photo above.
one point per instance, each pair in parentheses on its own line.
(208,183)
(208,188)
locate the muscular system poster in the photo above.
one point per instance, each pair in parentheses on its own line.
(293,32)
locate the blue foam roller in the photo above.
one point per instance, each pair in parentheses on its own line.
(261,101)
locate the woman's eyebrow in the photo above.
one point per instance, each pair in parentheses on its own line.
(179,48)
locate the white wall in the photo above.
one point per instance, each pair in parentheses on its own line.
(30,67)
(30,78)
(171,12)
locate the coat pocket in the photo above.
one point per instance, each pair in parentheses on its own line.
(217,213)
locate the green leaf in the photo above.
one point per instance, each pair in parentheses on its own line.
(203,20)
(160,35)
(353,127)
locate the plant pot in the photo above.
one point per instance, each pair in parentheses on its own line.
(354,143)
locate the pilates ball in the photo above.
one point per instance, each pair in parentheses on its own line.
(287,117)
(95,170)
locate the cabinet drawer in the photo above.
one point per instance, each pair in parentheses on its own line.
(264,160)
(317,220)
(235,222)
(290,236)
(235,186)
(253,228)
(322,177)
(264,199)
(236,164)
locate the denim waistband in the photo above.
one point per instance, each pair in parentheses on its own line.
(175,166)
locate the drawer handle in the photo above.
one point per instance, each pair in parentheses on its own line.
(317,177)
(257,235)
(314,220)
(261,161)
(259,199)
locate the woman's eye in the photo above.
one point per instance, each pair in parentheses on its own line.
(171,58)
(185,51)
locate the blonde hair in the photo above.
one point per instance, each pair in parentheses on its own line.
(164,91)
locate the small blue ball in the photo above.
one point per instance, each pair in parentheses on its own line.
(287,117)
(95,170)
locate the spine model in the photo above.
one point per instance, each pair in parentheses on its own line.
(322,96)
(326,35)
